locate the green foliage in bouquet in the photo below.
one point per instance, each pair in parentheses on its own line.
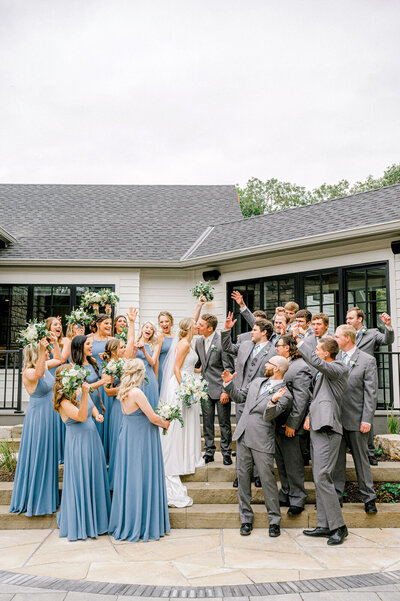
(203,289)
(169,412)
(78,317)
(113,368)
(33,334)
(72,379)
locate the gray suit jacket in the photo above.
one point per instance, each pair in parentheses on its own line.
(246,367)
(298,380)
(258,433)
(249,317)
(325,407)
(361,391)
(372,339)
(245,337)
(213,364)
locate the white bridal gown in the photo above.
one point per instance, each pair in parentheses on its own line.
(181,446)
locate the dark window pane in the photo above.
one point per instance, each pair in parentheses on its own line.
(61,296)
(312,293)
(286,291)
(271,298)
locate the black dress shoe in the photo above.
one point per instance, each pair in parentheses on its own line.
(284,504)
(337,536)
(295,510)
(372,460)
(246,529)
(274,530)
(318,532)
(227,460)
(208,458)
(235,483)
(370,507)
(257,482)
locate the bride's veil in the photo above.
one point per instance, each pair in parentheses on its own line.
(168,370)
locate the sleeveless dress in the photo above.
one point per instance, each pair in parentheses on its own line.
(115,428)
(85,501)
(35,489)
(59,422)
(166,345)
(139,507)
(182,446)
(150,388)
(98,349)
(95,397)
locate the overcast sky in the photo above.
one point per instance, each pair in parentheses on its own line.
(198,91)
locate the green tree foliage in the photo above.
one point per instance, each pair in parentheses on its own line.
(258,197)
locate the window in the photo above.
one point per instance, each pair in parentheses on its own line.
(321,295)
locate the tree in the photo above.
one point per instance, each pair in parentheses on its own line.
(258,197)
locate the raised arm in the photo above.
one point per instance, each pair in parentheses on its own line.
(56,360)
(388,336)
(236,394)
(245,311)
(66,350)
(198,308)
(79,414)
(226,339)
(331,370)
(130,351)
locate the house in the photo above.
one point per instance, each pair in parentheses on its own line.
(152,243)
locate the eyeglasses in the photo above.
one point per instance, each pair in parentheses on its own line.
(281,345)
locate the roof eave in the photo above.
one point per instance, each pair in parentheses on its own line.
(7,237)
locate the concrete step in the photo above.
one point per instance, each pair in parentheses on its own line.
(210,493)
(227,516)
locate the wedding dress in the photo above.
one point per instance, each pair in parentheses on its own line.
(181,446)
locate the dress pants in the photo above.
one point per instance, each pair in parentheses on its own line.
(358,444)
(325,447)
(224,420)
(239,410)
(264,462)
(289,460)
(371,444)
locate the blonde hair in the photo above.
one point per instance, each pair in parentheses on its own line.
(132,377)
(31,354)
(166,314)
(111,349)
(184,327)
(58,396)
(348,331)
(49,322)
(154,338)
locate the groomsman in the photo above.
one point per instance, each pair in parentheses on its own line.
(357,415)
(264,399)
(281,320)
(324,422)
(320,325)
(213,362)
(250,358)
(289,428)
(291,309)
(280,327)
(247,335)
(369,341)
(303,318)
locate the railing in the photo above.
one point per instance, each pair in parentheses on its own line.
(388,379)
(11,380)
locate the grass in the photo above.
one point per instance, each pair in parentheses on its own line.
(8,459)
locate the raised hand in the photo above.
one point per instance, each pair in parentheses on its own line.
(387,320)
(132,315)
(238,298)
(96,307)
(202,299)
(295,330)
(108,309)
(53,338)
(85,387)
(230,322)
(279,394)
(227,376)
(44,343)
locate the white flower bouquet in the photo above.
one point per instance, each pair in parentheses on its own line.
(169,412)
(203,289)
(192,390)
(72,379)
(123,335)
(89,299)
(113,368)
(108,297)
(33,334)
(78,317)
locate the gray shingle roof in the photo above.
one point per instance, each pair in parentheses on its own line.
(110,222)
(367,208)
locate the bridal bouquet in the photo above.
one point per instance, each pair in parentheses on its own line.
(169,412)
(108,297)
(113,368)
(72,379)
(89,299)
(192,390)
(78,317)
(123,335)
(34,333)
(203,289)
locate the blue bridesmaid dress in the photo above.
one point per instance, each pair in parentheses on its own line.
(98,349)
(59,422)
(115,428)
(85,501)
(139,507)
(93,377)
(150,388)
(35,489)
(166,345)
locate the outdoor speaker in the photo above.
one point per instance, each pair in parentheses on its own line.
(396,247)
(211,276)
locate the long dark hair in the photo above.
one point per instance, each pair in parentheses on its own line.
(78,356)
(97,320)
(291,342)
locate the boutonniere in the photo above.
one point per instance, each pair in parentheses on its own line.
(272,390)
(353,363)
(363,330)
(214,348)
(265,350)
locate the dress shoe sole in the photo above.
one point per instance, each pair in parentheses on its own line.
(274,534)
(245,533)
(327,535)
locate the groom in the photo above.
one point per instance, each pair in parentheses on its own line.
(213,363)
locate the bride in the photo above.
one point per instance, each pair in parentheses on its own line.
(181,446)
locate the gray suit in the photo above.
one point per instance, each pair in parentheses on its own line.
(358,406)
(288,455)
(249,317)
(326,433)
(213,364)
(255,436)
(369,341)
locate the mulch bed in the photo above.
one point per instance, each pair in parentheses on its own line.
(386,492)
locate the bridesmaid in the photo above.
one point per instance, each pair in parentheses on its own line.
(165,321)
(115,349)
(53,324)
(74,329)
(101,328)
(120,322)
(146,348)
(139,507)
(35,489)
(81,354)
(85,501)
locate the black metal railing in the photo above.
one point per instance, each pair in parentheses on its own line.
(388,378)
(11,380)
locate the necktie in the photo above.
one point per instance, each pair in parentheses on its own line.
(255,350)
(345,358)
